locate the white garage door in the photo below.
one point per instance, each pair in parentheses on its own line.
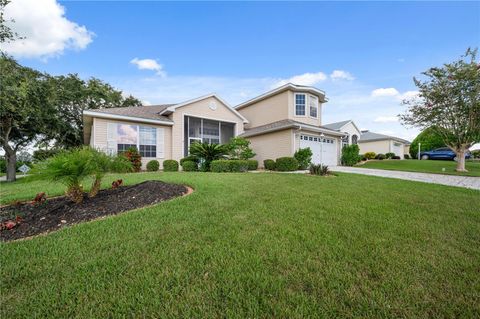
(325,152)
(398,149)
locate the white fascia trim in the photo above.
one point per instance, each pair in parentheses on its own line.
(126,118)
(282,88)
(176,106)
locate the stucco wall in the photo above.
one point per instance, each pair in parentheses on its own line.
(303,119)
(379,147)
(272,109)
(272,145)
(99,137)
(199,109)
(351,130)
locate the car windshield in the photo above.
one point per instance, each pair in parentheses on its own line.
(443,149)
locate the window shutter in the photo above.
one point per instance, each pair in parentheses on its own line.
(160,142)
(112,138)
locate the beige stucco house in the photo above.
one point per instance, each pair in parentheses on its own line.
(277,123)
(382,144)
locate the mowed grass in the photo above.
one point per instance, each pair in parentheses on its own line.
(425,166)
(256,245)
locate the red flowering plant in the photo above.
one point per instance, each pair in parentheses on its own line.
(134,157)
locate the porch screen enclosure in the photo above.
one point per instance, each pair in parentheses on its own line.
(206,130)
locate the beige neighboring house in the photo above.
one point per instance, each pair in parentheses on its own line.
(162,131)
(288,118)
(352,132)
(382,144)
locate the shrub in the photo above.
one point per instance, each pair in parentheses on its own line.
(170,166)
(269,164)
(190,158)
(239,148)
(363,157)
(207,153)
(252,165)
(286,164)
(189,166)
(3,165)
(304,157)
(406,156)
(153,166)
(380,156)
(396,157)
(319,169)
(220,166)
(476,154)
(134,157)
(389,155)
(350,155)
(370,155)
(238,165)
(41,155)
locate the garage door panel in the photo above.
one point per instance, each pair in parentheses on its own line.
(325,152)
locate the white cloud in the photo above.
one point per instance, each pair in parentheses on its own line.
(341,75)
(385,119)
(386,132)
(309,79)
(46,30)
(409,95)
(384,92)
(149,64)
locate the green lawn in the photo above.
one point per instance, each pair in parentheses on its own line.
(256,245)
(424,166)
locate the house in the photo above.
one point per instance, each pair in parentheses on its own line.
(288,118)
(277,123)
(348,127)
(382,144)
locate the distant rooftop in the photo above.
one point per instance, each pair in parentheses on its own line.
(368,136)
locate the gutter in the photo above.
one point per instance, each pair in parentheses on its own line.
(125,118)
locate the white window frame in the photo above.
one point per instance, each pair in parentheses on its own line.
(138,138)
(295,104)
(310,99)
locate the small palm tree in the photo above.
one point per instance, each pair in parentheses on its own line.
(208,152)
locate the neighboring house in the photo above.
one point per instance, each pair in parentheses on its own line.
(162,131)
(382,144)
(288,118)
(348,127)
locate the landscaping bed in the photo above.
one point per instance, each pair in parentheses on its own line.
(59,212)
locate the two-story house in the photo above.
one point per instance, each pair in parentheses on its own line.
(277,123)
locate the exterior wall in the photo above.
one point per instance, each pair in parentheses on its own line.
(351,130)
(272,145)
(406,149)
(272,109)
(379,147)
(296,140)
(303,119)
(99,137)
(199,109)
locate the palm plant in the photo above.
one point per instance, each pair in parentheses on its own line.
(208,152)
(101,163)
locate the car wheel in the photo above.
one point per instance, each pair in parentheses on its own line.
(425,157)
(455,158)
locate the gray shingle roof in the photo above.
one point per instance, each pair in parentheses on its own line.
(150,112)
(281,125)
(371,136)
(337,125)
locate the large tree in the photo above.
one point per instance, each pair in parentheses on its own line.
(74,95)
(429,139)
(449,102)
(25,108)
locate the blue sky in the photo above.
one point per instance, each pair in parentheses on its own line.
(240,50)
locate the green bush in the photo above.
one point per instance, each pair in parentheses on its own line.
(304,157)
(380,156)
(395,157)
(134,157)
(170,166)
(252,165)
(406,156)
(286,164)
(3,165)
(207,153)
(429,139)
(238,166)
(41,155)
(475,154)
(190,158)
(189,166)
(350,155)
(220,166)
(363,157)
(370,155)
(153,166)
(239,148)
(318,169)
(389,155)
(269,164)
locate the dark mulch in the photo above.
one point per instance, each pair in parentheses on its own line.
(59,212)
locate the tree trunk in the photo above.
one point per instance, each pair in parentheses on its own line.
(11,158)
(95,187)
(75,193)
(461,160)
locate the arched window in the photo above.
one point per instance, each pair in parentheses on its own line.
(354,139)
(345,141)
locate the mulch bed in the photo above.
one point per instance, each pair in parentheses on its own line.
(59,212)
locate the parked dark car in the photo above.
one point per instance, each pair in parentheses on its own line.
(443,153)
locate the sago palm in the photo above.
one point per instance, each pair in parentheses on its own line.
(208,152)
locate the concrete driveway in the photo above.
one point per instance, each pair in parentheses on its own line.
(449,180)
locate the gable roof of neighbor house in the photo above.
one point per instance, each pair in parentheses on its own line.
(288,86)
(285,124)
(152,113)
(368,136)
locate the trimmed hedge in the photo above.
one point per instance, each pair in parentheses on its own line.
(153,166)
(238,166)
(396,157)
(189,166)
(269,164)
(286,164)
(389,155)
(170,166)
(350,155)
(190,158)
(370,155)
(304,157)
(406,156)
(223,166)
(252,165)
(380,156)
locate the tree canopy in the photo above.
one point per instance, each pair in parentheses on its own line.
(429,139)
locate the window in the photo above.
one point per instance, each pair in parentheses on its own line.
(345,140)
(148,141)
(354,139)
(143,138)
(300,102)
(126,137)
(313,102)
(207,131)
